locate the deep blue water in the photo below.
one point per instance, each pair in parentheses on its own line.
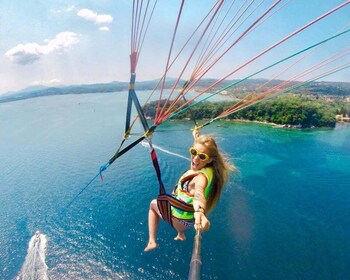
(284,216)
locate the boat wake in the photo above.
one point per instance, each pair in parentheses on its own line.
(34,266)
(145,144)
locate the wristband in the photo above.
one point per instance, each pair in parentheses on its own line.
(200,209)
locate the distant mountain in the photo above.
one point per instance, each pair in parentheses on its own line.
(33,88)
(339,89)
(241,89)
(73,89)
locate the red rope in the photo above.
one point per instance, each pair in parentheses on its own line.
(168,61)
(141,18)
(167,113)
(251,98)
(276,44)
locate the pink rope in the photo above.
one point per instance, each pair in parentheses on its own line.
(278,43)
(165,116)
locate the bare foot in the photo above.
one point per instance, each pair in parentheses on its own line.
(151,246)
(180,236)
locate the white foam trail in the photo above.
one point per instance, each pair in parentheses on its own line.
(145,144)
(34,266)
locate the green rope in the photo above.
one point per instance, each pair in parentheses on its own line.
(249,76)
(286,91)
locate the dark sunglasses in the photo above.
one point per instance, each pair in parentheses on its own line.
(202,156)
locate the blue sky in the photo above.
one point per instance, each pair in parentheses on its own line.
(62,42)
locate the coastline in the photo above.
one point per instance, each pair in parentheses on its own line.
(289,126)
(275,125)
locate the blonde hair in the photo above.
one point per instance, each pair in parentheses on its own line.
(221,167)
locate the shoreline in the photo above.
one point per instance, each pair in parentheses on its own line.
(289,126)
(275,125)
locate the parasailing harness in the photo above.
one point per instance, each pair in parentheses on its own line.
(164,200)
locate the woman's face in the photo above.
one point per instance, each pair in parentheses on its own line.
(199,156)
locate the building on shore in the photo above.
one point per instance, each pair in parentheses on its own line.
(342,118)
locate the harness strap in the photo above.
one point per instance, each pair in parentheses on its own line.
(165,201)
(120,151)
(157,169)
(132,99)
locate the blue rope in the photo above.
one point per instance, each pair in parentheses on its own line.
(102,168)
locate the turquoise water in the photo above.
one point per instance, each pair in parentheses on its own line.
(284,216)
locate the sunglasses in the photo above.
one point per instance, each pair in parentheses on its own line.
(202,156)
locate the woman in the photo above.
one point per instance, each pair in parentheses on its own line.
(200,186)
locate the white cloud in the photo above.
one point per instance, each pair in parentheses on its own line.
(102,19)
(94,17)
(46,83)
(30,52)
(104,28)
(59,11)
(71,8)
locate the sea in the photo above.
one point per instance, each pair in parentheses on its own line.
(283,215)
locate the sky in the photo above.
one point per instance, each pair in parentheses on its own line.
(61,42)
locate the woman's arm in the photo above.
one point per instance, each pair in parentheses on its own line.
(199,202)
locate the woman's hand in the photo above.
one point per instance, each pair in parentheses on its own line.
(201,221)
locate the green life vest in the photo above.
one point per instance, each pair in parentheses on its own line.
(182,194)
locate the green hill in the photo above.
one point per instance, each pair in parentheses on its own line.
(338,89)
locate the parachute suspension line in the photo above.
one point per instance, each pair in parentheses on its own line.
(221,42)
(210,47)
(181,110)
(238,108)
(272,47)
(226,35)
(261,87)
(208,52)
(168,61)
(325,74)
(85,187)
(175,58)
(192,79)
(191,112)
(209,41)
(164,111)
(272,90)
(142,38)
(132,99)
(207,68)
(272,14)
(133,51)
(139,27)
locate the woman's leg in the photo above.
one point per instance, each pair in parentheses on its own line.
(153,221)
(180,228)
